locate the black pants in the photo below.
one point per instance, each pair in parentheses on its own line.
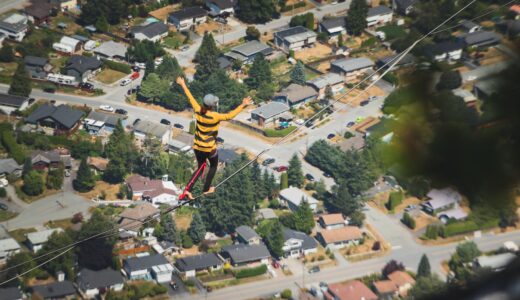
(213,162)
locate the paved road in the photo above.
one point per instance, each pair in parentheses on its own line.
(6,5)
(485,71)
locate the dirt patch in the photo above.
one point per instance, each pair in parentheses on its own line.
(109,76)
(212,26)
(110,190)
(310,54)
(298,10)
(364,251)
(189,71)
(183,221)
(162,13)
(313,259)
(423,220)
(441,241)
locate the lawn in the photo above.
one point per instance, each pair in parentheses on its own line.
(63,223)
(392,31)
(6,215)
(6,71)
(31,199)
(109,76)
(174,41)
(279,133)
(19,234)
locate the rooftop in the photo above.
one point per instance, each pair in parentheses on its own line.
(498,261)
(8,166)
(8,244)
(407,59)
(353,64)
(378,10)
(10,293)
(443,197)
(480,37)
(342,234)
(270,109)
(35,60)
(352,290)
(154,129)
(83,63)
(55,290)
(198,262)
(242,253)
(111,49)
(385,286)
(456,213)
(98,163)
(110,119)
(246,232)
(307,241)
(139,212)
(151,30)
(295,34)
(249,49)
(89,279)
(266,213)
(223,4)
(188,13)
(442,48)
(144,262)
(12,100)
(296,93)
(296,195)
(63,114)
(332,219)
(40,237)
(326,79)
(401,278)
(332,23)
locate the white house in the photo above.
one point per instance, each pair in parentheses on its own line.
(332,221)
(91,283)
(379,15)
(11,103)
(154,32)
(350,68)
(67,45)
(340,237)
(219,7)
(495,262)
(35,240)
(292,197)
(152,267)
(188,266)
(155,191)
(333,27)
(294,38)
(8,247)
(14,26)
(298,243)
(444,51)
(145,128)
(187,18)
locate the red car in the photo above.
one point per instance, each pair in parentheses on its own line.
(281,168)
(134,76)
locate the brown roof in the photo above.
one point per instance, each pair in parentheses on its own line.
(385,286)
(159,191)
(352,290)
(140,184)
(295,92)
(39,9)
(332,219)
(98,163)
(140,212)
(401,278)
(346,233)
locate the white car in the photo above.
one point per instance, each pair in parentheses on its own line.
(106,108)
(299,122)
(158,61)
(140,65)
(125,81)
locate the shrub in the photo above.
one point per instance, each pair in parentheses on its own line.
(376,246)
(460,228)
(77,218)
(3,193)
(294,6)
(408,220)
(392,78)
(244,273)
(286,294)
(394,200)
(432,232)
(348,135)
(321,257)
(124,68)
(189,283)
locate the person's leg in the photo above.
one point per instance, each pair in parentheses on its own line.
(201,160)
(213,163)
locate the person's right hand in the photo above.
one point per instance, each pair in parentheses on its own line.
(180,81)
(247,101)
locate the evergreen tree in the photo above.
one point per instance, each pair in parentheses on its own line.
(357,17)
(169,69)
(259,73)
(425,287)
(449,80)
(27,166)
(153,87)
(6,53)
(271,232)
(32,183)
(303,218)
(424,269)
(320,189)
(120,150)
(329,96)
(84,181)
(256,11)
(206,57)
(96,254)
(55,178)
(252,33)
(149,68)
(295,173)
(169,230)
(284,181)
(102,24)
(197,230)
(342,202)
(65,262)
(21,83)
(341,43)
(298,74)
(20,263)
(391,267)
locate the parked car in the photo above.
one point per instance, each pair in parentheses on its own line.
(184,48)
(106,108)
(136,121)
(50,90)
(136,69)
(86,86)
(173,284)
(309,124)
(165,122)
(67,173)
(364,103)
(276,264)
(3,206)
(220,140)
(309,177)
(328,175)
(134,76)
(410,207)
(125,81)
(268,161)
(177,125)
(281,168)
(314,269)
(140,65)
(331,136)
(372,98)
(350,124)
(221,20)
(3,182)
(121,111)
(299,122)
(324,286)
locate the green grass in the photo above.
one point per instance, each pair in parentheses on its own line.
(7,71)
(279,133)
(392,31)
(19,234)
(173,42)
(6,215)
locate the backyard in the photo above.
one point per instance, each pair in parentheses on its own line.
(7,71)
(174,40)
(109,76)
(392,32)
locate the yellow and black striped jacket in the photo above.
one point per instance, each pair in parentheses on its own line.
(207,125)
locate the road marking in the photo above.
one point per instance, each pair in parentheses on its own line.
(397,247)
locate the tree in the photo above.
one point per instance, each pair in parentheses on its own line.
(305,20)
(169,69)
(357,17)
(256,11)
(391,267)
(121,152)
(153,87)
(320,189)
(298,74)
(65,262)
(295,173)
(271,232)
(425,287)
(169,230)
(342,202)
(468,251)
(424,269)
(449,80)
(20,83)
(341,43)
(259,73)
(32,183)
(6,53)
(102,24)
(55,178)
(303,218)
(252,33)
(96,254)
(197,230)
(408,220)
(12,147)
(27,166)
(284,181)
(149,67)
(20,263)
(329,95)
(357,218)
(84,181)
(187,242)
(206,57)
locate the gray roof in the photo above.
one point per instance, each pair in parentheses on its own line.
(111,49)
(12,100)
(188,13)
(35,60)
(197,262)
(488,86)
(442,198)
(480,37)
(54,290)
(246,232)
(270,109)
(498,261)
(154,129)
(407,59)
(248,50)
(63,114)
(8,244)
(266,213)
(151,30)
(353,64)
(222,4)
(295,195)
(334,22)
(378,10)
(326,79)
(227,155)
(88,279)
(83,63)
(456,213)
(13,27)
(40,237)
(443,47)
(80,38)
(404,3)
(10,293)
(144,263)
(242,253)
(110,119)
(224,62)
(308,241)
(8,166)
(295,92)
(467,25)
(295,34)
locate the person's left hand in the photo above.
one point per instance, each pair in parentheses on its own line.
(247,101)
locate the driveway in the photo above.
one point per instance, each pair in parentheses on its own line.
(180,292)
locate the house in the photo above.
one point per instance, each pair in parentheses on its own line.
(379,15)
(292,197)
(357,142)
(91,283)
(38,12)
(151,267)
(37,67)
(145,128)
(42,160)
(226,156)
(35,240)
(64,5)
(111,50)
(480,39)
(340,237)
(56,290)
(403,7)
(469,26)
(9,166)
(247,52)
(350,68)
(442,51)
(265,214)
(403,281)
(495,263)
(67,45)
(296,95)
(188,18)
(297,243)
(224,63)
(61,119)
(332,221)
(154,32)
(247,235)
(268,113)
(14,26)
(242,255)
(166,248)
(100,123)
(12,103)
(294,38)
(8,248)
(407,61)
(181,141)
(333,27)
(511,28)
(189,265)
(10,293)
(82,68)
(97,164)
(131,219)
(441,200)
(333,80)
(386,289)
(221,7)
(352,290)
(155,191)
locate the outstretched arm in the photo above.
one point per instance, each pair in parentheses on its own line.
(230,115)
(194,104)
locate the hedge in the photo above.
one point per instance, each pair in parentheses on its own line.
(392,78)
(394,200)
(117,66)
(408,220)
(279,133)
(460,228)
(12,147)
(294,6)
(244,273)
